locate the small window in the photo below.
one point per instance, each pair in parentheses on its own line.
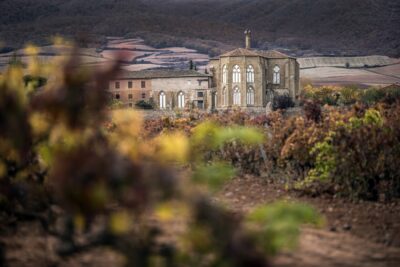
(200,94)
(162,100)
(277,75)
(130,96)
(130,84)
(117,85)
(117,96)
(200,104)
(143,84)
(181,100)
(143,95)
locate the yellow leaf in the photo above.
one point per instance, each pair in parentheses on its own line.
(120,223)
(3,169)
(173,147)
(164,212)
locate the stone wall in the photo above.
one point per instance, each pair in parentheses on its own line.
(263,79)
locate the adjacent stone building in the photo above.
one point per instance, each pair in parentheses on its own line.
(249,78)
(166,89)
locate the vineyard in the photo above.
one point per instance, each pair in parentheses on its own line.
(97,186)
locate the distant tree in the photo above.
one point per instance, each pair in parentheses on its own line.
(191,65)
(206,71)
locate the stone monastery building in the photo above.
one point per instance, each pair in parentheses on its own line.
(244,78)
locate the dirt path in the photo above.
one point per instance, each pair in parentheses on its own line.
(356,234)
(364,234)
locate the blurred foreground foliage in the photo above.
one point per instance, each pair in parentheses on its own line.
(117,182)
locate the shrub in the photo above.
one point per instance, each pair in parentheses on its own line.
(325,95)
(372,95)
(360,157)
(350,153)
(348,95)
(282,102)
(142,104)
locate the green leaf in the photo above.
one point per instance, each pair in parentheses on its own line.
(213,175)
(279,224)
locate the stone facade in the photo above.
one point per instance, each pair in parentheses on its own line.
(130,91)
(249,78)
(166,89)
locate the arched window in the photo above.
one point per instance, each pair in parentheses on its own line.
(225,97)
(236,74)
(277,75)
(250,96)
(250,74)
(224,74)
(163,101)
(181,100)
(236,96)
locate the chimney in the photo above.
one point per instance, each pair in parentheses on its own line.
(248,39)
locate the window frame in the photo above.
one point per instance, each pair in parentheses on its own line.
(237,101)
(236,77)
(276,78)
(250,96)
(181,100)
(250,74)
(162,100)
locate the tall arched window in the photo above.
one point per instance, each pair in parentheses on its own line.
(250,74)
(181,100)
(162,100)
(277,75)
(236,96)
(224,97)
(236,74)
(250,96)
(224,74)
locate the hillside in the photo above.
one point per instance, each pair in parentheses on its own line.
(346,27)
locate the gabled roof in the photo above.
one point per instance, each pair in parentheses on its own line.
(161,73)
(273,54)
(239,52)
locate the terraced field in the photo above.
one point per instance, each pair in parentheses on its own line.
(365,71)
